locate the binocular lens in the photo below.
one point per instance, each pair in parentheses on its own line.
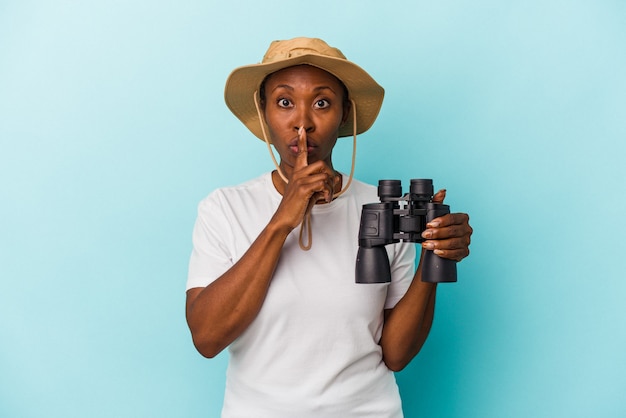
(389,188)
(423,187)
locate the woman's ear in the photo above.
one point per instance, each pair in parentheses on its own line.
(259,97)
(347,105)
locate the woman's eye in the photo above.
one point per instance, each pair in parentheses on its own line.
(284,103)
(322,103)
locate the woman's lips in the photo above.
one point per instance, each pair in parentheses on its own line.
(294,148)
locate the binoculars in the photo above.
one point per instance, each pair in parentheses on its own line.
(398,218)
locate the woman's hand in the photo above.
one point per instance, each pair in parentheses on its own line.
(449,236)
(308,185)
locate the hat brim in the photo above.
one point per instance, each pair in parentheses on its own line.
(362,88)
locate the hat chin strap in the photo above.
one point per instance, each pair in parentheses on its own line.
(306,222)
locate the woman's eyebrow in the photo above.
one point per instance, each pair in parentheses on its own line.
(290,88)
(284,86)
(324,88)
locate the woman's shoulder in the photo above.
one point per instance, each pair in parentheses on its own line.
(257,194)
(362,190)
(258,185)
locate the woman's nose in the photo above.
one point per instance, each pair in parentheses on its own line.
(303,119)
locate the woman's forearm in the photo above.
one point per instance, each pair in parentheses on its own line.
(220,312)
(407,325)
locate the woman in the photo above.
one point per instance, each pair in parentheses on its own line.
(271,275)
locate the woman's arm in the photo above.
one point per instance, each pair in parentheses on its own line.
(219,313)
(407,324)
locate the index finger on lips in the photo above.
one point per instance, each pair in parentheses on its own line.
(302,158)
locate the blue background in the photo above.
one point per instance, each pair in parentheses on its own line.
(113,127)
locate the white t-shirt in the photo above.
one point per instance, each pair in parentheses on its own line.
(313,349)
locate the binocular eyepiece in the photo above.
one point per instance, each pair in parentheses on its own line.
(398,218)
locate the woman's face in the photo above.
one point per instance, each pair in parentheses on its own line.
(304,96)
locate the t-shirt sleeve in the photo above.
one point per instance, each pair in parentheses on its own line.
(210,255)
(402,271)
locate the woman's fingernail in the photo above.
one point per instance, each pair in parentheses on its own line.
(433,224)
(428,245)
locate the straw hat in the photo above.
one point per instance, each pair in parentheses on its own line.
(244,81)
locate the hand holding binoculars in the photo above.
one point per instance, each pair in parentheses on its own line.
(398,218)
